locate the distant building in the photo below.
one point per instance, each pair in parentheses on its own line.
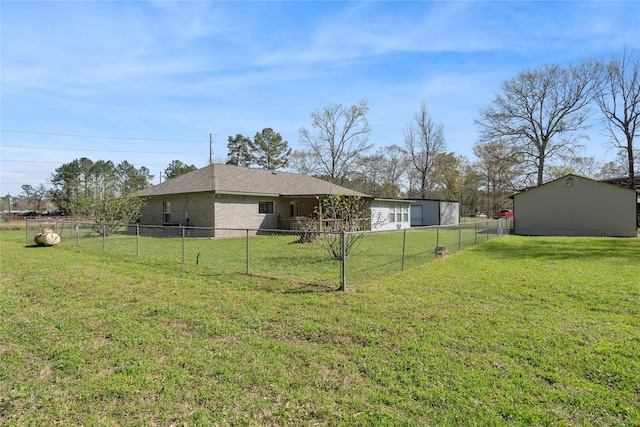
(434,212)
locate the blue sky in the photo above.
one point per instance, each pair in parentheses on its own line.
(147,82)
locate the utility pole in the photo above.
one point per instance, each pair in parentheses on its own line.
(213,186)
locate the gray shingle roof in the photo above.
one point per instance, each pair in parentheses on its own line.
(229,179)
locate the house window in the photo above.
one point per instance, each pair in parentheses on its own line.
(265,207)
(398,213)
(166,208)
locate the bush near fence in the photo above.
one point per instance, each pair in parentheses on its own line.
(279,254)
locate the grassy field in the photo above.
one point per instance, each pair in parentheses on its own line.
(542,331)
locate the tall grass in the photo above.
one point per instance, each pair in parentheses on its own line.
(515,331)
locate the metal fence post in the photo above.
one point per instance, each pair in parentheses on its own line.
(104,237)
(182,231)
(343,263)
(475,234)
(138,240)
(404,246)
(247,249)
(437,237)
(459,237)
(78,234)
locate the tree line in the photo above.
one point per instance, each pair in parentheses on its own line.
(531,132)
(81,185)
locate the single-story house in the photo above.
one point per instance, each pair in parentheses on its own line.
(434,212)
(221,196)
(575,206)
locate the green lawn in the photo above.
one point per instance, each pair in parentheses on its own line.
(514,331)
(279,255)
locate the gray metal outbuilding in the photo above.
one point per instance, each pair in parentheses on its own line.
(575,206)
(434,212)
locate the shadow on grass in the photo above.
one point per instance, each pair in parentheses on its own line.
(279,285)
(521,247)
(311,288)
(34,245)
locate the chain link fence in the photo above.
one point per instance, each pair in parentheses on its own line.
(329,259)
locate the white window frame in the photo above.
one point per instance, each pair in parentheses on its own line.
(398,213)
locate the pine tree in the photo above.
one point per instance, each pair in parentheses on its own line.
(269,151)
(239,151)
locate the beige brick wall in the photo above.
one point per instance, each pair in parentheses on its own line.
(242,212)
(231,211)
(192,210)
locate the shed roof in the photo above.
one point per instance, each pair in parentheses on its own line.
(230,179)
(624,181)
(618,182)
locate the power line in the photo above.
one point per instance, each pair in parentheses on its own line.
(101,137)
(23,172)
(102,151)
(54,163)
(28,161)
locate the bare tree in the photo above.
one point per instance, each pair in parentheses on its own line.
(380,175)
(424,141)
(395,164)
(342,137)
(587,166)
(498,163)
(619,102)
(541,112)
(34,196)
(617,168)
(369,174)
(303,162)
